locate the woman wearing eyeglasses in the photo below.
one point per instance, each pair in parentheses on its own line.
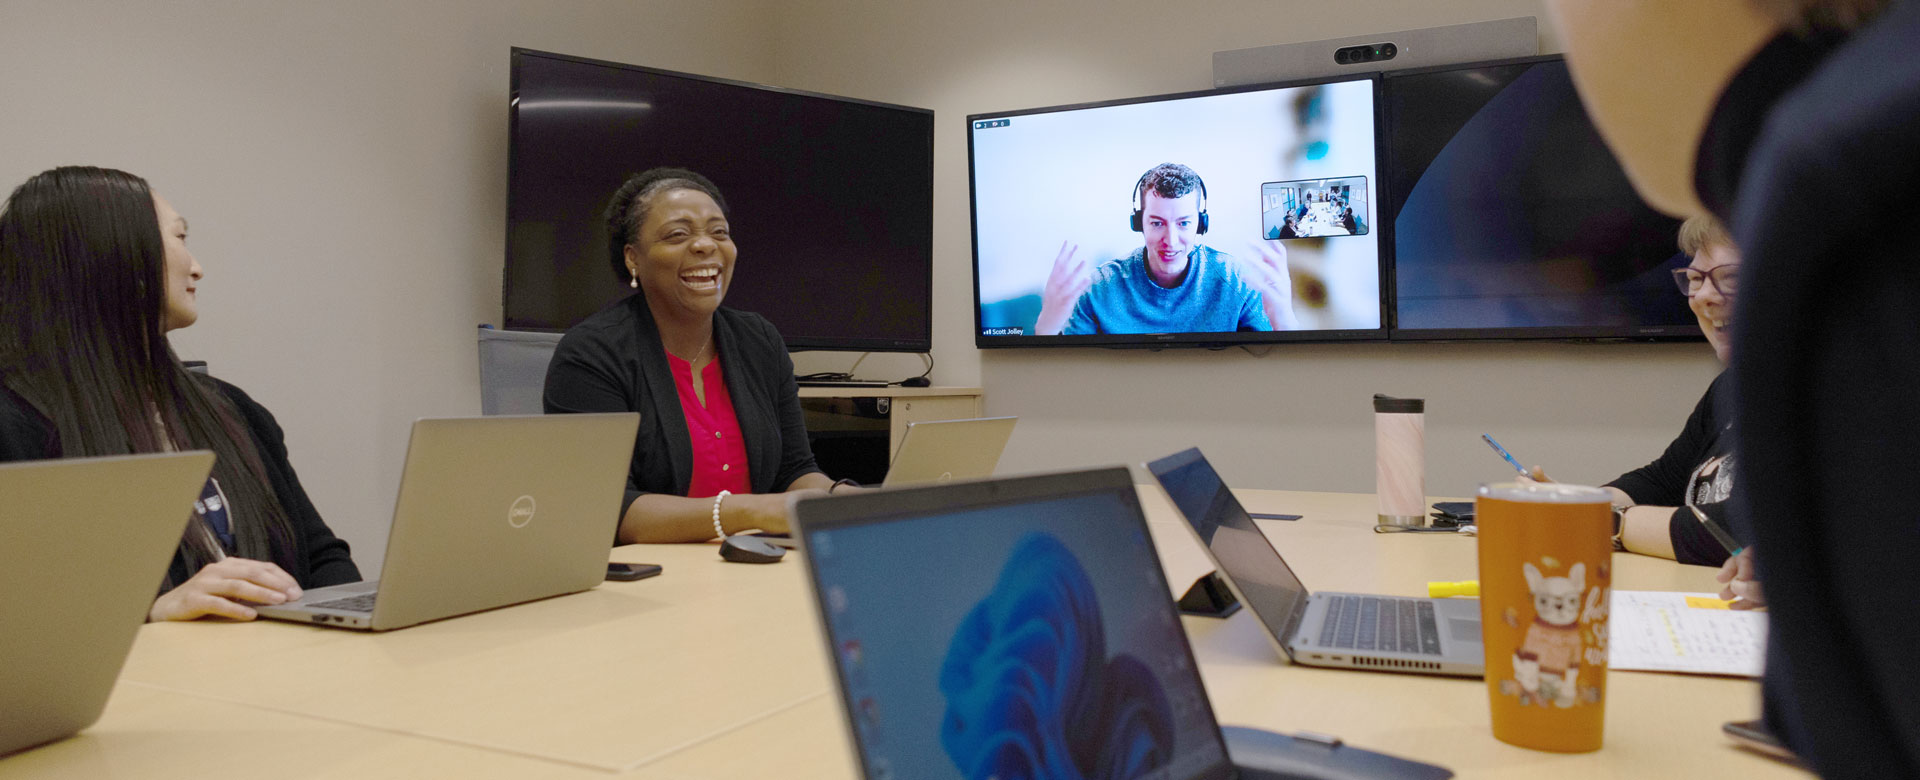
(1655,504)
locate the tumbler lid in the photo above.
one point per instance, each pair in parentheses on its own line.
(1386,404)
(1546,493)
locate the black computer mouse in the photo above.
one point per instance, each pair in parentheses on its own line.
(748,549)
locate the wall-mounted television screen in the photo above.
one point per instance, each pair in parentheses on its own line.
(1163,220)
(831,199)
(1511,219)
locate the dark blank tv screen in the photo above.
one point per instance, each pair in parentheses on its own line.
(1510,217)
(830,199)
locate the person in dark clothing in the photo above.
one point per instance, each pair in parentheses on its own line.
(1763,103)
(95,271)
(722,445)
(1656,502)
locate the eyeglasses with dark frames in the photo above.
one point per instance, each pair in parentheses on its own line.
(1725,278)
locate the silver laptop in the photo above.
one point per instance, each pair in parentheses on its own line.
(937,451)
(88,541)
(492,511)
(1345,630)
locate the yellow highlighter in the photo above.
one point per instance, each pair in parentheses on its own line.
(1441,590)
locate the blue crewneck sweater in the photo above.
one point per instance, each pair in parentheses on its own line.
(1213,298)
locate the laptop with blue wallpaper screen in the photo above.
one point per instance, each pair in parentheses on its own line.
(1008,628)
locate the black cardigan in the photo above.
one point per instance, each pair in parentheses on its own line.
(614,362)
(1826,376)
(1668,480)
(321,558)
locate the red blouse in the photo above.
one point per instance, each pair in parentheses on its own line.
(719,454)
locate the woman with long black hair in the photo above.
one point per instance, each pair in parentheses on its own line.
(94,271)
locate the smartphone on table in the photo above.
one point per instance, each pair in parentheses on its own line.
(1755,736)
(628,572)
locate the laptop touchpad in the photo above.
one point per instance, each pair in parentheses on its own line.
(1464,630)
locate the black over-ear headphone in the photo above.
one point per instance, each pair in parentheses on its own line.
(1140,205)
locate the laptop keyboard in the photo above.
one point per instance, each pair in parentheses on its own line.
(360,603)
(1374,623)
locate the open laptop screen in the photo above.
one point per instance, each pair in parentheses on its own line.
(1262,576)
(981,635)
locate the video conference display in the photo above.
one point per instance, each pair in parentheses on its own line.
(1159,220)
(1511,217)
(1222,217)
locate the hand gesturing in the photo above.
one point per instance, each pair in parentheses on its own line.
(1070,277)
(1267,270)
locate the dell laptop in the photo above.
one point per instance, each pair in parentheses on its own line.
(88,541)
(492,511)
(1345,630)
(1008,628)
(938,451)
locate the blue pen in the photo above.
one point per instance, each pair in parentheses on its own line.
(1718,531)
(1509,456)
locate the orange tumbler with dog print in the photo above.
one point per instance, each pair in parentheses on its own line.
(1546,571)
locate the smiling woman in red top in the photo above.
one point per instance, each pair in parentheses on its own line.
(719,409)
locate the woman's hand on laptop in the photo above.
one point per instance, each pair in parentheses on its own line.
(769,512)
(219,588)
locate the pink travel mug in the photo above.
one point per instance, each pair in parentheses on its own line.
(1399,459)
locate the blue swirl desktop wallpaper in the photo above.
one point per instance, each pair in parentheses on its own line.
(1030,690)
(1024,642)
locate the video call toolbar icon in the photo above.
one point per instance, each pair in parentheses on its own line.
(990,123)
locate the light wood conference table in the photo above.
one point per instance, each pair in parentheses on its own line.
(715,671)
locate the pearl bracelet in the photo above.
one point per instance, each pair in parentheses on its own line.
(717,530)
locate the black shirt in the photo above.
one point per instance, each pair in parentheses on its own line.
(321,559)
(614,362)
(1696,470)
(1826,372)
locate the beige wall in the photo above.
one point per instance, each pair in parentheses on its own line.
(1293,417)
(343,165)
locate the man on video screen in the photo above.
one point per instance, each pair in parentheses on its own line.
(1172,284)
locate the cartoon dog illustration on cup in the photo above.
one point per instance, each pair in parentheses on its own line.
(1547,665)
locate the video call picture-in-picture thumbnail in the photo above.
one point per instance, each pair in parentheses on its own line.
(1171,215)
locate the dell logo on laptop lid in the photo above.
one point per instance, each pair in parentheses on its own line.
(521,513)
